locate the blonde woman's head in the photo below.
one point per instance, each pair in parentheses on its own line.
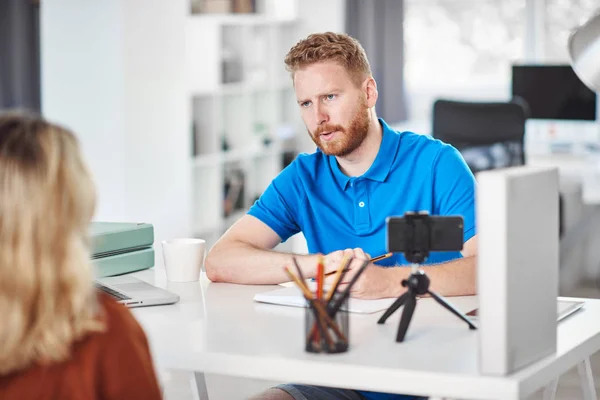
(47,199)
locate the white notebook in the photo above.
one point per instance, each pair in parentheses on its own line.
(291,296)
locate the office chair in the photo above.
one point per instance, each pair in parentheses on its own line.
(489,135)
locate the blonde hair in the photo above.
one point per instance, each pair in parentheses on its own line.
(47,199)
(329,46)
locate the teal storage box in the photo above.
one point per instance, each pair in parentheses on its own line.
(124,263)
(109,238)
(121,247)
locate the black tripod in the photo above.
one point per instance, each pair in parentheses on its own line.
(416,232)
(417,284)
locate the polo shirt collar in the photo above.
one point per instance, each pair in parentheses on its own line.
(382,165)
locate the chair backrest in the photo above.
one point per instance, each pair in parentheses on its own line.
(489,135)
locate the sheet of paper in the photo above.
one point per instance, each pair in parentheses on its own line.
(291,296)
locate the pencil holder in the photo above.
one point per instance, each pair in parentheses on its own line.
(326,332)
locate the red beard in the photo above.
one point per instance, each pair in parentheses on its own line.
(348,139)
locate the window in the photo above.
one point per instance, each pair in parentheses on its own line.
(454,48)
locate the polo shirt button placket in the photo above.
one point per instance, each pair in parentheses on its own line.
(362,211)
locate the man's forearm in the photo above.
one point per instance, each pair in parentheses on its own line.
(244,264)
(453,278)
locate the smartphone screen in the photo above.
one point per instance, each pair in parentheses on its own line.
(438,233)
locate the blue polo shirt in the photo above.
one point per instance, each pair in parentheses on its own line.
(410,173)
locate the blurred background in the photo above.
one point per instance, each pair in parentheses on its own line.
(185,112)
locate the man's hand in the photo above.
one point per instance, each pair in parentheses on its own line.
(333,260)
(374,283)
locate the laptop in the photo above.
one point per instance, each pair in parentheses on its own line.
(564,308)
(134,292)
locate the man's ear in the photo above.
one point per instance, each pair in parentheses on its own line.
(370,88)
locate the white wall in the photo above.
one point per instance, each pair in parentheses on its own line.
(82,86)
(114,72)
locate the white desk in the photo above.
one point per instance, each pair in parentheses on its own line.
(217,328)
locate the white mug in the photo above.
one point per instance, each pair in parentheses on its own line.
(183,258)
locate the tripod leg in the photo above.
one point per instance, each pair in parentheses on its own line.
(407,314)
(396,305)
(451,308)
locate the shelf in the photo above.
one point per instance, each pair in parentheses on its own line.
(238,155)
(246,53)
(272,150)
(241,19)
(257,152)
(208,160)
(245,87)
(240,88)
(240,93)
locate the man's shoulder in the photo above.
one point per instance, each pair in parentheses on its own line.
(306,164)
(423,147)
(310,159)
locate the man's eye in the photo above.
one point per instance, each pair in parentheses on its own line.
(305,104)
(331,96)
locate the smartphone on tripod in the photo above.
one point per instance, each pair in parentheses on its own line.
(423,232)
(416,234)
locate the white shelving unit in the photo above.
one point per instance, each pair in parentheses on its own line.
(244,112)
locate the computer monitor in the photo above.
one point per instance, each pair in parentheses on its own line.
(553,92)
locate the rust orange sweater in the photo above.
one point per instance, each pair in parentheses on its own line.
(114,364)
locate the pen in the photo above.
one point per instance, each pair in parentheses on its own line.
(381,257)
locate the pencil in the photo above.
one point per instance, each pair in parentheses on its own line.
(298,268)
(342,269)
(381,257)
(374,259)
(338,276)
(338,303)
(320,279)
(308,295)
(317,305)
